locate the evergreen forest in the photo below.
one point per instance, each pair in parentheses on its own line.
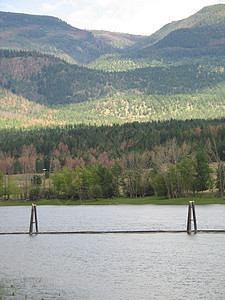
(171,158)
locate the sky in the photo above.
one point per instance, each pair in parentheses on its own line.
(142,17)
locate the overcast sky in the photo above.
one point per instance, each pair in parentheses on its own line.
(129,16)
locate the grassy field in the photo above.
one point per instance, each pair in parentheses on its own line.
(120,201)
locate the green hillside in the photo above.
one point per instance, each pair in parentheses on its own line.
(51,81)
(16,111)
(188,43)
(209,16)
(180,76)
(199,38)
(118,40)
(49,35)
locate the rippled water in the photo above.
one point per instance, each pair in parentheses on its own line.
(112,266)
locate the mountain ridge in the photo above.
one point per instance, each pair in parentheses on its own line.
(49,35)
(212,14)
(186,62)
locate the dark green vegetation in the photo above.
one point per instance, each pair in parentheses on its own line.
(146,117)
(49,81)
(169,159)
(116,140)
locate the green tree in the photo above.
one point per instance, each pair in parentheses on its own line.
(64,182)
(203,172)
(173,181)
(39,165)
(95,191)
(83,182)
(213,152)
(145,188)
(116,173)
(35,193)
(104,178)
(1,184)
(36,180)
(186,169)
(12,188)
(220,179)
(159,184)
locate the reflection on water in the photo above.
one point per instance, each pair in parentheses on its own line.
(115,217)
(110,266)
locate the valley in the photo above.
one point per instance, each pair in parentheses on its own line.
(81,104)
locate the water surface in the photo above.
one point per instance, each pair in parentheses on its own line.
(112,266)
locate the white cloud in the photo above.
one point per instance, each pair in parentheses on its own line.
(114,15)
(131,16)
(50,7)
(6,6)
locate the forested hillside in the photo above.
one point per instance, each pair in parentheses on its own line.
(17,111)
(46,79)
(199,38)
(208,17)
(180,76)
(118,40)
(49,35)
(87,96)
(51,81)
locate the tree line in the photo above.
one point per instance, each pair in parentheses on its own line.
(85,141)
(170,171)
(173,159)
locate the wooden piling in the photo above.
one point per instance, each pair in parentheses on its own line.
(33,219)
(194,216)
(191,213)
(189,218)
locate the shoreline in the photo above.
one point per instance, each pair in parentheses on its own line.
(120,201)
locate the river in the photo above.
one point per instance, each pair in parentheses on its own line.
(112,266)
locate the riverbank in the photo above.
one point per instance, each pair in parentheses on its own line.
(120,201)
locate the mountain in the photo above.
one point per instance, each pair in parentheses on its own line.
(49,35)
(198,38)
(181,75)
(118,40)
(209,17)
(188,43)
(51,81)
(200,35)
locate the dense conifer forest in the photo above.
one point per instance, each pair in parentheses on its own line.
(170,159)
